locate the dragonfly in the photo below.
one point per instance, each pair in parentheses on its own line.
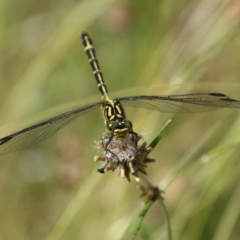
(118,127)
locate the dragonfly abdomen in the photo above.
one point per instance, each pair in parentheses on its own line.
(91,54)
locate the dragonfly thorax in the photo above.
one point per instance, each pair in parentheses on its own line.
(112,111)
(115,120)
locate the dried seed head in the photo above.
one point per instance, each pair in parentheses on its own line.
(126,154)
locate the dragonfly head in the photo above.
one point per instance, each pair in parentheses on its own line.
(119,127)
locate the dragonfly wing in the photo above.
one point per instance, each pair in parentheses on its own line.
(191,103)
(40,131)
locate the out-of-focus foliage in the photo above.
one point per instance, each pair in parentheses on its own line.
(52,191)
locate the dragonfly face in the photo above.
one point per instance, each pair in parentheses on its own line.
(119,128)
(115,120)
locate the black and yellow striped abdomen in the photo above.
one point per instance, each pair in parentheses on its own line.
(91,54)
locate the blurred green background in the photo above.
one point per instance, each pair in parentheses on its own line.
(52,190)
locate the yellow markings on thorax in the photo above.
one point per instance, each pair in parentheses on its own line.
(113,110)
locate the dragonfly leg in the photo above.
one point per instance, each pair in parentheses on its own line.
(105,146)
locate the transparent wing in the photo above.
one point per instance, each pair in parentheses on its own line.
(198,102)
(40,131)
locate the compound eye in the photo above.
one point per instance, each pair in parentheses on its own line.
(111,126)
(128,124)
